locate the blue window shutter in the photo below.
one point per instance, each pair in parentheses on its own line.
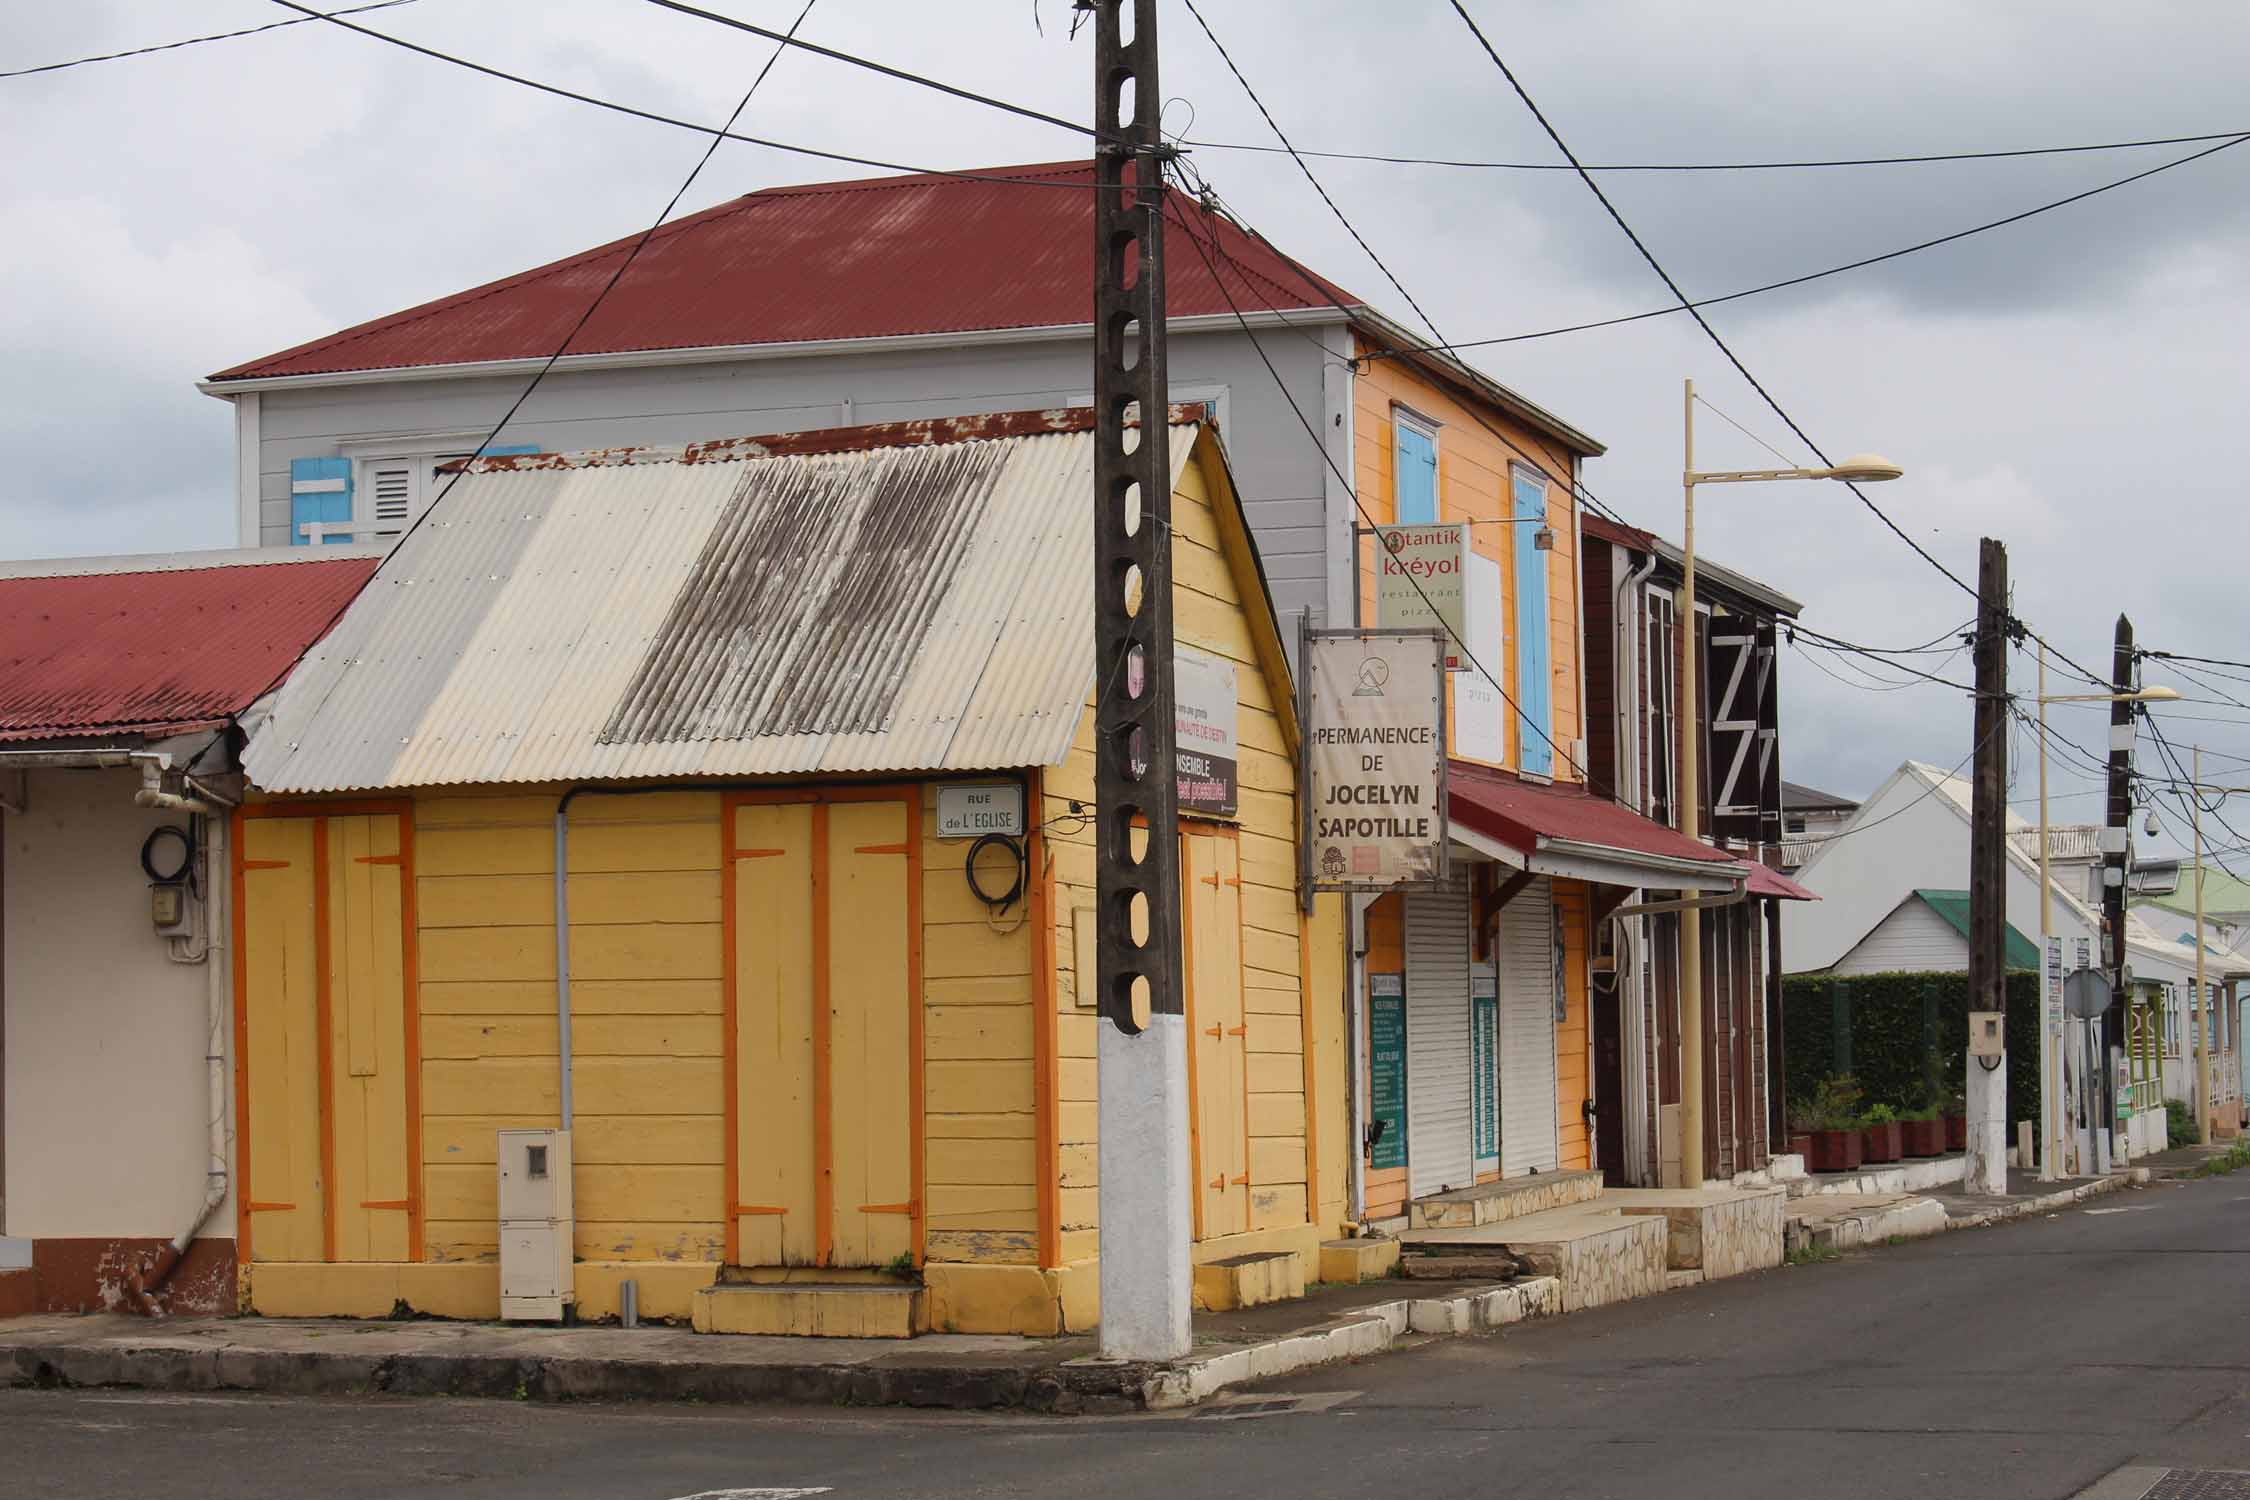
(1417,476)
(320,490)
(1534,689)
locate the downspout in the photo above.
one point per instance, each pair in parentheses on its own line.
(143,1286)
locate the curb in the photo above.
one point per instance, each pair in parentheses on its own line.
(1062,1388)
(2047,1203)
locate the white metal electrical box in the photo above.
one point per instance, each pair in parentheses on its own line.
(1988,1033)
(537,1225)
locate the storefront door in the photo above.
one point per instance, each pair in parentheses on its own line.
(1528,1135)
(1439,1040)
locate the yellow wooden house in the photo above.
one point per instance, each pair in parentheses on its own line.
(640,792)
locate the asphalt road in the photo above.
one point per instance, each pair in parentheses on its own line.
(2027,1360)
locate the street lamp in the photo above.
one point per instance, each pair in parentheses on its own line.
(1861,468)
(2050,1055)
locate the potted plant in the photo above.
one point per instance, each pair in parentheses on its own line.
(1835,1137)
(1956,1115)
(1880,1126)
(1923,1131)
(1799,1142)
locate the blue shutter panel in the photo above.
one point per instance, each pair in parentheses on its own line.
(1417,476)
(320,490)
(1534,688)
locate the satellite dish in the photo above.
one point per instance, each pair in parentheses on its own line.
(2086,993)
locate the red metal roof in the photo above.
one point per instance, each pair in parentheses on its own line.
(921,254)
(1765,880)
(1521,814)
(157,652)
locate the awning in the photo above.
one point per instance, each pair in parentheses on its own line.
(1565,830)
(1765,880)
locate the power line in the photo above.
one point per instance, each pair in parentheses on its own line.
(1854,830)
(872,66)
(1688,303)
(585,317)
(1312,435)
(1852,265)
(194,41)
(1727,166)
(2209,661)
(672,120)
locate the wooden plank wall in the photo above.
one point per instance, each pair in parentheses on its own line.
(1208,616)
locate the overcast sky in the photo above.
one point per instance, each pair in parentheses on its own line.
(2072,385)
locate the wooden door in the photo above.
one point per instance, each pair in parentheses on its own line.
(1218,1037)
(823,996)
(327,1038)
(1609,1077)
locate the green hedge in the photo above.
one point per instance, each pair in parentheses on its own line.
(1901,1035)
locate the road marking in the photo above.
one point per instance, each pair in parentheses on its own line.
(783,1493)
(2138,1208)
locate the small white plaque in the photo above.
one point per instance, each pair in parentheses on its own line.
(971,812)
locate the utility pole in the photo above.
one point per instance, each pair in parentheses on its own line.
(2203,1027)
(2117,861)
(1986,1094)
(1142,1073)
(1689,795)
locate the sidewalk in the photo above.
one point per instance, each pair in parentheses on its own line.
(1832,1221)
(329,1357)
(2181,1161)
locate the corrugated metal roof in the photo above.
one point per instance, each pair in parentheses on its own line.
(901,598)
(885,256)
(156,651)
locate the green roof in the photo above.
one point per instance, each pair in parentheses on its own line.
(2221,893)
(2023,953)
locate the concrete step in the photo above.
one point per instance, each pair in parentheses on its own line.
(1355,1261)
(1249,1281)
(1714,1231)
(1484,1263)
(1680,1281)
(1917,1175)
(1597,1254)
(855,1311)
(1496,1202)
(1840,1221)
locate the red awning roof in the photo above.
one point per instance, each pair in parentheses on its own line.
(880,257)
(1549,823)
(1765,880)
(158,652)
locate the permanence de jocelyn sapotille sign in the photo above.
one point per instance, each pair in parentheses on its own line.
(1376,747)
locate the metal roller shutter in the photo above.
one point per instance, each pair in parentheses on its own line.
(1527,1032)
(1437,1038)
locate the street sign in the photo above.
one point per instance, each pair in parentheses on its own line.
(1375,753)
(2086,993)
(1419,582)
(971,812)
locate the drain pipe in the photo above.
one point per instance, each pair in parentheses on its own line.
(144,1285)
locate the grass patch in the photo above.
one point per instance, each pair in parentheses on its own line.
(1812,1255)
(2235,1158)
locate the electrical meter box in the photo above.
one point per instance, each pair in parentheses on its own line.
(1988,1033)
(537,1225)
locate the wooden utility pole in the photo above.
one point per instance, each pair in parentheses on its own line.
(2117,864)
(1987,1079)
(1142,1076)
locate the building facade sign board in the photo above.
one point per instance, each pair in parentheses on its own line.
(1386,1070)
(1480,711)
(1420,583)
(1205,735)
(966,811)
(1375,752)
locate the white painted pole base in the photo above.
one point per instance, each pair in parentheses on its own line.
(1986,1098)
(1146,1207)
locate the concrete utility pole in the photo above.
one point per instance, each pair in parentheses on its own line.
(1987,1089)
(2117,862)
(1142,1075)
(2203,1028)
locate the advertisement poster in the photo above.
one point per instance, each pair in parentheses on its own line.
(1386,1069)
(1375,759)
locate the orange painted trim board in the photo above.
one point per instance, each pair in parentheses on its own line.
(410,980)
(916,1024)
(823,1031)
(1187,1007)
(357,807)
(324,1008)
(729,1047)
(1046,1101)
(1312,1070)
(241,1043)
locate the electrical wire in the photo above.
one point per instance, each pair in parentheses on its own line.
(1711,333)
(710,150)
(1838,270)
(815,152)
(1726,166)
(195,41)
(872,66)
(1854,830)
